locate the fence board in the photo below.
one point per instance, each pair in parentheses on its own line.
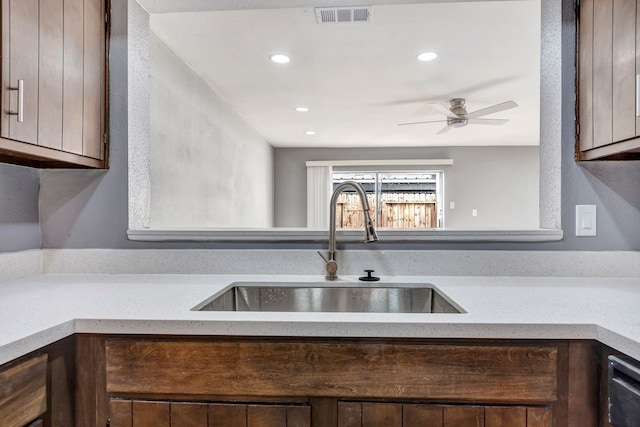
(397,210)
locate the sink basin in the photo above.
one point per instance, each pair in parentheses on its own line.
(321,297)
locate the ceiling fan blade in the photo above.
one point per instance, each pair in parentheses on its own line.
(466,92)
(419,123)
(445,129)
(444,109)
(493,109)
(487,121)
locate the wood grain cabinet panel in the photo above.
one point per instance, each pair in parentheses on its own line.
(150,414)
(539,417)
(121,414)
(370,382)
(51,77)
(608,66)
(382,414)
(136,413)
(463,416)
(20,66)
(505,416)
(423,415)
(57,49)
(185,414)
(23,392)
(223,415)
(341,370)
(368,414)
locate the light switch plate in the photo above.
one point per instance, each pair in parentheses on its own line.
(586,220)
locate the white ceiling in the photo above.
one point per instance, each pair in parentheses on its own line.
(361,80)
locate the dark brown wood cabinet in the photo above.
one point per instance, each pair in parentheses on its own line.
(314,382)
(140,413)
(335,382)
(363,414)
(23,392)
(608,80)
(54,73)
(38,389)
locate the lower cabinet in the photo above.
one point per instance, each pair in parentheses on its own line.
(365,414)
(314,382)
(144,413)
(23,392)
(140,413)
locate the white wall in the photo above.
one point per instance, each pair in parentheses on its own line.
(500,182)
(209,168)
(81,209)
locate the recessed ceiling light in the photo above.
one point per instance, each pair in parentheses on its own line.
(302,109)
(427,56)
(310,132)
(279,58)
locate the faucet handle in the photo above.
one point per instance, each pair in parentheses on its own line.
(331,267)
(323,257)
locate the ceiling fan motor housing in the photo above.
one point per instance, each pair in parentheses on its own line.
(458,108)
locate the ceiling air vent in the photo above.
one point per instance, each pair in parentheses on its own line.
(343,15)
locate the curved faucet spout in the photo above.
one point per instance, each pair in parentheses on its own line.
(370,231)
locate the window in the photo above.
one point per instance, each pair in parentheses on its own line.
(398,199)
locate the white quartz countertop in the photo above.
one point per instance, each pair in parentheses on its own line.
(39,310)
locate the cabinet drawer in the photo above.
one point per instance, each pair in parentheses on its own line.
(346,369)
(23,392)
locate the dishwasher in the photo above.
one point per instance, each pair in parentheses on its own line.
(624,392)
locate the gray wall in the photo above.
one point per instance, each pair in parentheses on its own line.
(89,210)
(209,168)
(500,182)
(19,218)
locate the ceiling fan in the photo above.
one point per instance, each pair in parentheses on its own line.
(457,115)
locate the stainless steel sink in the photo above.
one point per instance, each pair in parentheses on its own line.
(320,297)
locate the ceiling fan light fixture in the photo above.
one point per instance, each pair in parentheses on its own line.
(280,58)
(427,56)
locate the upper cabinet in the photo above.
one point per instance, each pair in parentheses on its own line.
(54,73)
(608,80)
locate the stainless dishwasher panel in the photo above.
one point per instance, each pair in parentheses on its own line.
(624,393)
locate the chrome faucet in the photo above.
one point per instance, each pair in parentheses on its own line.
(370,232)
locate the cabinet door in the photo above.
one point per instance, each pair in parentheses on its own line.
(20,41)
(53,74)
(83,98)
(624,69)
(607,72)
(93,81)
(128,413)
(258,415)
(602,72)
(23,392)
(365,414)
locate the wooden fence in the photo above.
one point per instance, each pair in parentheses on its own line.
(397,210)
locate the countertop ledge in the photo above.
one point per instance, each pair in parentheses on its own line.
(39,310)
